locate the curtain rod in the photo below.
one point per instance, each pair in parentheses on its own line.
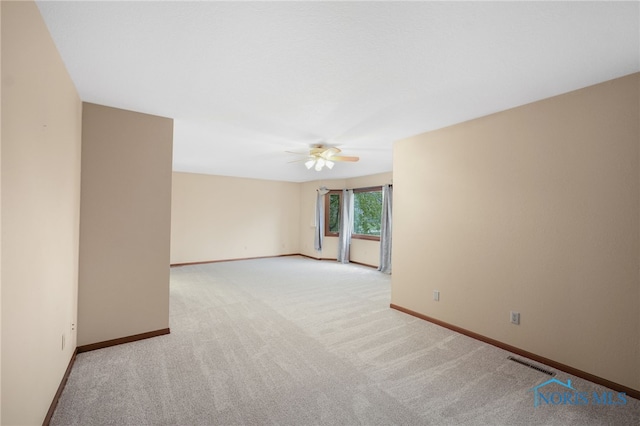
(359,189)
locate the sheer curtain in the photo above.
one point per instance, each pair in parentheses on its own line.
(385,229)
(319,232)
(346,226)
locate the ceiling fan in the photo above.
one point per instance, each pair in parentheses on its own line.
(321,155)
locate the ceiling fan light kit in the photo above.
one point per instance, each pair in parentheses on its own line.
(319,163)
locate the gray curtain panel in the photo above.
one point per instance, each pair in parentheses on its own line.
(319,232)
(385,229)
(346,226)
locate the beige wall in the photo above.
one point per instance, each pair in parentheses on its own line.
(125,223)
(536,210)
(362,251)
(41,130)
(217,218)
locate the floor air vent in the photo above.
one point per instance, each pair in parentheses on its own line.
(535,367)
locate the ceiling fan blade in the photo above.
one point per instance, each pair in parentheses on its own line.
(323,150)
(329,153)
(332,150)
(344,158)
(322,155)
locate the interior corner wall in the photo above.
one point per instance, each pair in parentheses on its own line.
(221,218)
(536,210)
(40,198)
(308,219)
(125,218)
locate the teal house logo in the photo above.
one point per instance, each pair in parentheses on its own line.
(568,395)
(539,395)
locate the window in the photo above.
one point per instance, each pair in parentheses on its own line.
(367,213)
(332,207)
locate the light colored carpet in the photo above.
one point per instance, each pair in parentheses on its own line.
(294,341)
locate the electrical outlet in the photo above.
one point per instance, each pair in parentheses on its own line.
(515,317)
(436,295)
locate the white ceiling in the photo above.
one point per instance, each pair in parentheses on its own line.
(247,81)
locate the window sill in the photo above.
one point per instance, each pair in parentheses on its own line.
(365,237)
